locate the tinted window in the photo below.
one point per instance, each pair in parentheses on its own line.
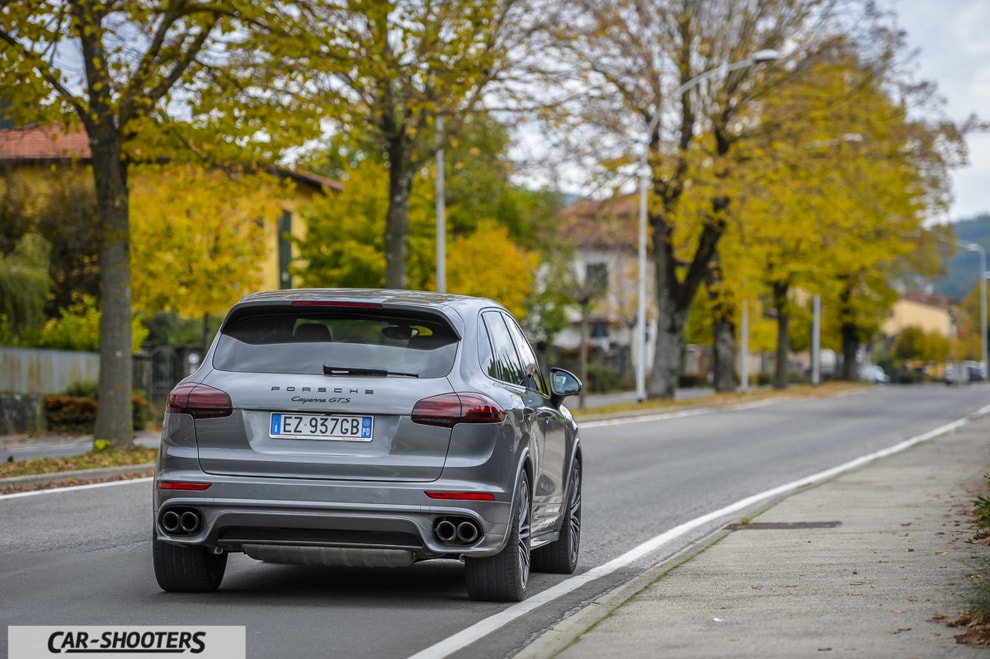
(506,363)
(488,363)
(304,340)
(531,364)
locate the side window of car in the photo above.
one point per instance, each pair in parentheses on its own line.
(485,354)
(531,365)
(506,361)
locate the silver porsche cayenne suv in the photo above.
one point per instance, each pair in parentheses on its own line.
(350,427)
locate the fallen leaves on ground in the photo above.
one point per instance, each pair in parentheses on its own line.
(132,455)
(976,629)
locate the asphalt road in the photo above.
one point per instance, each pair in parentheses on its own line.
(82,557)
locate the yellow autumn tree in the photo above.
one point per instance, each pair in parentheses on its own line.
(832,200)
(489,264)
(167,80)
(199,236)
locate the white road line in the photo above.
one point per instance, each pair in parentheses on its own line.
(484,627)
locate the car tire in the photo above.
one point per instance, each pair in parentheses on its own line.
(185,569)
(561,556)
(504,576)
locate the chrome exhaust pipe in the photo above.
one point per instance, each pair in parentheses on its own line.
(170,521)
(467,533)
(445,531)
(189,521)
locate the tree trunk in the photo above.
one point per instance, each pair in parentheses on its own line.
(780,375)
(113,416)
(669,346)
(397,220)
(724,355)
(850,347)
(674,302)
(723,331)
(848,329)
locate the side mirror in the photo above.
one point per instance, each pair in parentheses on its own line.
(563,383)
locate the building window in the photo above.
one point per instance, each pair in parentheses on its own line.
(596,277)
(598,329)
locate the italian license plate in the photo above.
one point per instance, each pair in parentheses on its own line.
(340,427)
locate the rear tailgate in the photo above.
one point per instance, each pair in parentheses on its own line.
(325,427)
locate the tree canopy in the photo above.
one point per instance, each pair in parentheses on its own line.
(392,69)
(496,228)
(199,251)
(835,197)
(209,81)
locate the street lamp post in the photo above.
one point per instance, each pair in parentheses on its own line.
(974,247)
(645,175)
(744,348)
(816,340)
(441,213)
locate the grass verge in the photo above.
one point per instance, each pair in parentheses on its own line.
(974,620)
(825,390)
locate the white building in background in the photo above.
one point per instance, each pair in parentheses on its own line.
(605,234)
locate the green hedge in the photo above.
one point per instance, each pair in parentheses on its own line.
(602,379)
(65,413)
(691,381)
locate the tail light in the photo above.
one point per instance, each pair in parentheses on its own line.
(448,410)
(199,401)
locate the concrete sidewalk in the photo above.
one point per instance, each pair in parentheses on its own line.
(870,564)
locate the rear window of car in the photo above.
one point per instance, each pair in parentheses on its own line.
(306,340)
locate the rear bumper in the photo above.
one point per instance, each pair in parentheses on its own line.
(238,512)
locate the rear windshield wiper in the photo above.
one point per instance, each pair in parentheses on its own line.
(329,369)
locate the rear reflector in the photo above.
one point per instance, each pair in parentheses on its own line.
(199,401)
(448,410)
(180,485)
(463,496)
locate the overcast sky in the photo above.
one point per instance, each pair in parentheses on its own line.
(953,37)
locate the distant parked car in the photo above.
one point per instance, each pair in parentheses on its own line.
(369,428)
(974,370)
(873,373)
(956,373)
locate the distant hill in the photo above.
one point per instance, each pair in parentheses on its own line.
(965,265)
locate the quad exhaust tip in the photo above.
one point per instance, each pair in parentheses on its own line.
(180,521)
(457,531)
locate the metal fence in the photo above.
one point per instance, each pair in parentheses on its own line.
(32,371)
(36,372)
